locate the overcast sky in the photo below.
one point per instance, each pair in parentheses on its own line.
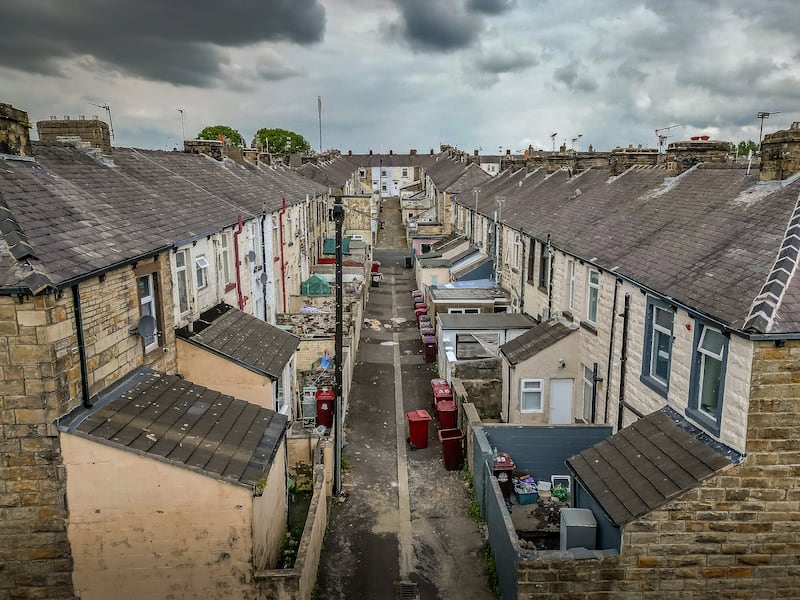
(401,74)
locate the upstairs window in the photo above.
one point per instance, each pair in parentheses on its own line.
(706,387)
(592,295)
(570,275)
(225,258)
(183,281)
(544,266)
(201,268)
(147,305)
(657,354)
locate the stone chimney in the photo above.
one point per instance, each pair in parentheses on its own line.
(370,151)
(780,154)
(391,152)
(212,148)
(413,152)
(623,159)
(92,131)
(14,126)
(681,156)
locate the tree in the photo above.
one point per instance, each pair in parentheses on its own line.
(212,132)
(744,147)
(281,140)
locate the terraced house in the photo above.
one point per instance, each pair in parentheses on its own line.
(106,444)
(668,302)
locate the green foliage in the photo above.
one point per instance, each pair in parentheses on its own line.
(560,492)
(280,141)
(491,567)
(212,132)
(744,147)
(288,554)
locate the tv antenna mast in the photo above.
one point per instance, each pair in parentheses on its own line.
(183,125)
(106,108)
(553,137)
(763,115)
(663,137)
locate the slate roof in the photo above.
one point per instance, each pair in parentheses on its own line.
(641,467)
(486,321)
(244,339)
(535,340)
(184,424)
(332,173)
(714,240)
(66,215)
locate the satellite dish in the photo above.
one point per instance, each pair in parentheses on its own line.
(263,278)
(146,326)
(251,256)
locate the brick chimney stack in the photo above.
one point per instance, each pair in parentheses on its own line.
(93,131)
(681,156)
(14,126)
(624,158)
(780,154)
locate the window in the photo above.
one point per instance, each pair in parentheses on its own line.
(383,187)
(592,294)
(517,252)
(657,346)
(570,274)
(708,377)
(530,395)
(588,392)
(405,172)
(383,172)
(183,281)
(544,266)
(463,311)
(531,276)
(362,173)
(201,265)
(147,305)
(225,258)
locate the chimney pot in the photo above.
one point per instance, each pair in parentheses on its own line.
(391,152)
(82,117)
(53,117)
(66,117)
(349,153)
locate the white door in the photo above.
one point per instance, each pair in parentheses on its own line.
(560,401)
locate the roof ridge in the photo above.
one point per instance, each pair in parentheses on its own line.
(761,316)
(11,232)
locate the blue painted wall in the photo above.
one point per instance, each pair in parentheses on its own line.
(609,536)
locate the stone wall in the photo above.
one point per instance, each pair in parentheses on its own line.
(14,125)
(780,154)
(482,381)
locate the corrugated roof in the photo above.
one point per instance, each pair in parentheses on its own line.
(243,338)
(188,425)
(535,340)
(644,465)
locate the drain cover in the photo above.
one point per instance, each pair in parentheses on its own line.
(407,590)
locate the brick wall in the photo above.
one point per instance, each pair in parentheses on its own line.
(93,131)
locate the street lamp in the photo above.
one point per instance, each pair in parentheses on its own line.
(338,218)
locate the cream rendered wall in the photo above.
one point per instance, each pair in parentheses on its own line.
(217,373)
(425,276)
(141,528)
(544,365)
(270,514)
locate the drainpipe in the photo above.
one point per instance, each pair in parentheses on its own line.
(496,249)
(522,276)
(242,298)
(76,302)
(550,261)
(283,262)
(611,349)
(508,401)
(264,278)
(623,359)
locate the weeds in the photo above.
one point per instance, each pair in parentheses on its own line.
(491,568)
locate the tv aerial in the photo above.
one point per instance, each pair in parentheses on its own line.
(553,138)
(663,137)
(106,108)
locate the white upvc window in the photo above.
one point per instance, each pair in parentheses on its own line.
(183,280)
(517,252)
(530,395)
(570,275)
(592,295)
(201,267)
(463,311)
(147,306)
(225,258)
(711,350)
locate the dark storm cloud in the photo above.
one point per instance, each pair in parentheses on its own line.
(171,41)
(490,7)
(441,26)
(570,76)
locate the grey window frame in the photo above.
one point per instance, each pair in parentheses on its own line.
(710,422)
(648,377)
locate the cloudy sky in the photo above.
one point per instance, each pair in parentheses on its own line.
(400,74)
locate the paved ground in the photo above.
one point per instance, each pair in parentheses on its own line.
(404,523)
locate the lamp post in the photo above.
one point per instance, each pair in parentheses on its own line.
(338,217)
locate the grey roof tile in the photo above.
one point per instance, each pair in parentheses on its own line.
(535,340)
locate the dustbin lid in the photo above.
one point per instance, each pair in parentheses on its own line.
(446,406)
(441,391)
(418,415)
(503,461)
(428,339)
(438,381)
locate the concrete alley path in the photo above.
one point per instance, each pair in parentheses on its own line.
(405,517)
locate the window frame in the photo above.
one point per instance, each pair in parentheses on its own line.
(589,288)
(544,266)
(517,252)
(464,311)
(182,275)
(151,270)
(588,392)
(201,271)
(570,276)
(700,356)
(225,258)
(648,376)
(523,391)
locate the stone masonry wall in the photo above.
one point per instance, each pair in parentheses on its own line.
(737,535)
